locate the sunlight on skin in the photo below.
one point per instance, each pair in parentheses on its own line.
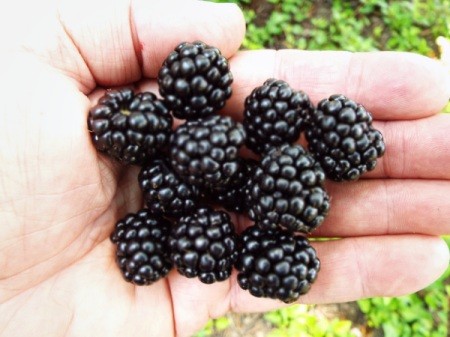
(59,198)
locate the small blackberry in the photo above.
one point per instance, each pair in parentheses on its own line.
(204,152)
(164,192)
(233,198)
(341,137)
(195,80)
(276,264)
(129,127)
(275,114)
(142,247)
(287,190)
(203,245)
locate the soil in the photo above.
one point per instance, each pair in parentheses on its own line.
(262,9)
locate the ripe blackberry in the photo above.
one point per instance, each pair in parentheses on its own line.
(164,192)
(341,137)
(276,264)
(287,190)
(142,247)
(130,127)
(233,198)
(204,152)
(195,80)
(275,114)
(203,245)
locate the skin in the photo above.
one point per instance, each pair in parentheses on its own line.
(60,199)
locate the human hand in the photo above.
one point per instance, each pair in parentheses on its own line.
(59,198)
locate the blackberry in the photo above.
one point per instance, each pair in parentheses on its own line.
(341,137)
(233,198)
(276,264)
(275,114)
(203,245)
(287,190)
(164,192)
(130,127)
(204,152)
(195,80)
(142,247)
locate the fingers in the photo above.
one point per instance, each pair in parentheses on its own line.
(356,268)
(377,207)
(391,85)
(415,149)
(382,207)
(120,41)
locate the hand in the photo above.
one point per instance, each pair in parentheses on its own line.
(59,198)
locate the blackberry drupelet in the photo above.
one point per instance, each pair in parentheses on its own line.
(203,245)
(287,190)
(142,247)
(341,137)
(130,127)
(275,114)
(204,152)
(164,192)
(276,264)
(195,80)
(233,198)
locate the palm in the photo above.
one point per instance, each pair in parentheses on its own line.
(59,240)
(59,198)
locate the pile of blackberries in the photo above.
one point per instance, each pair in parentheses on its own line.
(190,174)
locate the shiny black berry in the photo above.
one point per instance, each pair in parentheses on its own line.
(195,80)
(287,190)
(142,247)
(203,245)
(341,137)
(164,192)
(130,127)
(276,264)
(275,114)
(204,152)
(234,197)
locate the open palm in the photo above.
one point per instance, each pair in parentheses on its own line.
(59,198)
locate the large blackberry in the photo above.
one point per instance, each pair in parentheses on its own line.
(129,127)
(233,198)
(195,80)
(273,263)
(287,190)
(204,152)
(142,247)
(275,114)
(203,245)
(164,192)
(341,137)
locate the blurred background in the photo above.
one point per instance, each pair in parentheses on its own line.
(421,27)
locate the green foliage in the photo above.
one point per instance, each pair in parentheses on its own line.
(424,314)
(299,321)
(213,326)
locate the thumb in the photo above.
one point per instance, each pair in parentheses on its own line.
(123,40)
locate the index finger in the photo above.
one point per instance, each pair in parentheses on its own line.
(391,85)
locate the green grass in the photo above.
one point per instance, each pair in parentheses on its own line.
(214,326)
(363,25)
(300,321)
